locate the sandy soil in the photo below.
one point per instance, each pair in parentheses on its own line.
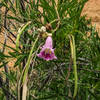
(92,10)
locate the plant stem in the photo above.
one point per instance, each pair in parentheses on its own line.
(29,60)
(20,32)
(73,54)
(26,71)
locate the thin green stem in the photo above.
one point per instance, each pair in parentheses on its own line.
(29,60)
(20,33)
(73,54)
(25,70)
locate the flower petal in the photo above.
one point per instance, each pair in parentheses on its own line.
(47,51)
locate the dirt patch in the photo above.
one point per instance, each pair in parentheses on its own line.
(92,10)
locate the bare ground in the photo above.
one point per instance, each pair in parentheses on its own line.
(92,10)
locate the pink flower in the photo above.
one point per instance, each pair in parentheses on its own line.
(47,52)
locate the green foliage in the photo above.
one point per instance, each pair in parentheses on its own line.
(49,80)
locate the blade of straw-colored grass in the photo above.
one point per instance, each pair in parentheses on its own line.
(24,95)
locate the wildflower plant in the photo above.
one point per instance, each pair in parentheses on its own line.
(54,58)
(47,52)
